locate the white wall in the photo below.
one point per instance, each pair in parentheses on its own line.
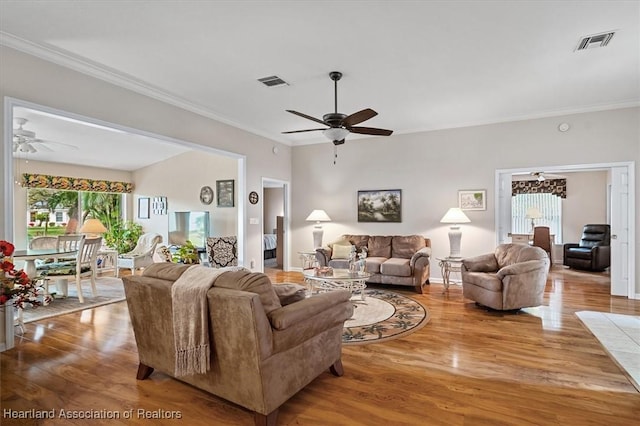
(31,79)
(273,206)
(430,168)
(586,202)
(180,179)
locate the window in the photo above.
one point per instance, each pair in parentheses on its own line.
(549,205)
(45,205)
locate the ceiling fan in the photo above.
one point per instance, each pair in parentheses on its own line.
(25,140)
(340,125)
(540,177)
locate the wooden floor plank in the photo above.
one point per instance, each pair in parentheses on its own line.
(467,366)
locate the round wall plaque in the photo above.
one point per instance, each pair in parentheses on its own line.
(206,195)
(253,197)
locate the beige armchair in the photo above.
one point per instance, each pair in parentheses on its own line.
(512,277)
(262,353)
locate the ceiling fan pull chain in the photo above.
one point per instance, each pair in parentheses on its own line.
(335,153)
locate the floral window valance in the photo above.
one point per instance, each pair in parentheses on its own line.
(548,186)
(30,180)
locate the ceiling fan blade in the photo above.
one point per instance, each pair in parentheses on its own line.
(300,131)
(43,147)
(308,117)
(359,117)
(42,142)
(370,131)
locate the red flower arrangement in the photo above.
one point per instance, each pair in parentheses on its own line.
(15,285)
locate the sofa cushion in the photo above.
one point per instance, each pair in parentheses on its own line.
(341,251)
(379,246)
(405,246)
(254,282)
(339,263)
(373,264)
(396,267)
(580,253)
(360,241)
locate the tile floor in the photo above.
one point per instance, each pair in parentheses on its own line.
(620,336)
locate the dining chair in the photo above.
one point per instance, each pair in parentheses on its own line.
(45,242)
(84,266)
(542,239)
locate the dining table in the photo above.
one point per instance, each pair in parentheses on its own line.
(29,257)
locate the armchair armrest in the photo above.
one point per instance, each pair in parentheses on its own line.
(295,313)
(323,255)
(423,252)
(483,263)
(522,268)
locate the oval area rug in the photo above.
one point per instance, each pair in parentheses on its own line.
(383,316)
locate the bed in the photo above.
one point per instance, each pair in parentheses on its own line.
(269,244)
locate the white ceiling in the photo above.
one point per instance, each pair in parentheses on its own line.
(421,65)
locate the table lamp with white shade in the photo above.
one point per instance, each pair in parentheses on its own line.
(93,228)
(455,216)
(318,216)
(533,213)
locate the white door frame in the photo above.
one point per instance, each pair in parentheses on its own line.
(286,190)
(625,264)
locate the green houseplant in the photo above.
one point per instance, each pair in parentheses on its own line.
(187,253)
(123,235)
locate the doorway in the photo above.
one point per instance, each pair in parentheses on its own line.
(275,224)
(622,212)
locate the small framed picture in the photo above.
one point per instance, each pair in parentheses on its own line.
(472,199)
(226,194)
(143,208)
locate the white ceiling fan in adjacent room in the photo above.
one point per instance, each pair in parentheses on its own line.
(25,141)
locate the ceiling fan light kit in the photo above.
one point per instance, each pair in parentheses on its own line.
(340,125)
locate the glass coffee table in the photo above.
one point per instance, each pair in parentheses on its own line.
(336,279)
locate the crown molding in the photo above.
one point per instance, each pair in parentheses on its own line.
(96,70)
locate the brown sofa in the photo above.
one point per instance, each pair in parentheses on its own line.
(512,277)
(262,353)
(398,259)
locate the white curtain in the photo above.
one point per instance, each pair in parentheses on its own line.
(549,205)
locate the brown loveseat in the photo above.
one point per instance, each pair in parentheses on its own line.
(398,259)
(262,353)
(512,277)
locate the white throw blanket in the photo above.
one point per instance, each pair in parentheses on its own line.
(191,319)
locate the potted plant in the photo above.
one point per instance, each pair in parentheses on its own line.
(17,290)
(187,253)
(123,235)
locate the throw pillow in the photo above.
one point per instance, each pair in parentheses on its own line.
(341,251)
(289,293)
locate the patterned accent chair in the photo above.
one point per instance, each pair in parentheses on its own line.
(222,251)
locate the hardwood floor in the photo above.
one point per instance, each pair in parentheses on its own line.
(467,366)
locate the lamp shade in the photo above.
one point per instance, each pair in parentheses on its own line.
(93,226)
(336,133)
(533,213)
(455,215)
(318,216)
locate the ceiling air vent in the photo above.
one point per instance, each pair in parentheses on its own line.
(596,40)
(273,80)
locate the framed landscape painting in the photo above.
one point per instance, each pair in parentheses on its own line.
(383,205)
(472,200)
